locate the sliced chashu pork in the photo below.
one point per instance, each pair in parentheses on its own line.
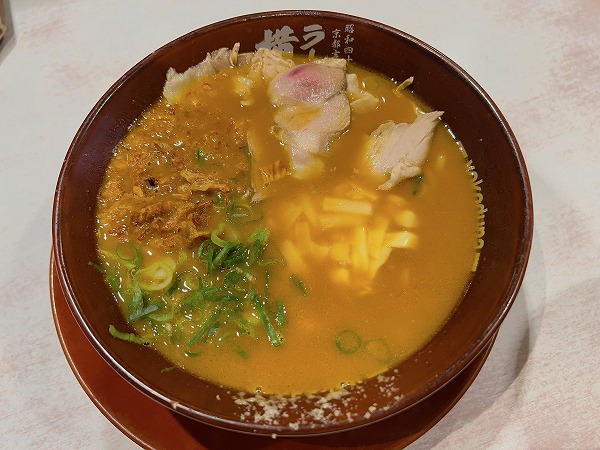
(398,150)
(311,109)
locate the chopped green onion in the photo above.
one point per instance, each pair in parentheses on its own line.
(176,336)
(142,312)
(209,291)
(280,317)
(214,236)
(129,337)
(348,341)
(195,300)
(164,317)
(157,276)
(212,331)
(224,298)
(206,326)
(243,325)
(112,280)
(298,284)
(203,249)
(240,351)
(266,262)
(130,254)
(182,256)
(379,349)
(418,183)
(98,267)
(157,327)
(167,369)
(237,255)
(189,281)
(262,314)
(192,354)
(230,262)
(219,259)
(233,277)
(173,287)
(240,213)
(209,260)
(137,299)
(257,241)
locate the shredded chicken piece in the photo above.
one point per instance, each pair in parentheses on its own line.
(360,100)
(264,168)
(267,64)
(273,172)
(398,150)
(406,83)
(213,63)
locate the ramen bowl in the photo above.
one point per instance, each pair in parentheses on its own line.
(470,114)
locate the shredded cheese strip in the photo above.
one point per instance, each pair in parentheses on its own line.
(342,205)
(345,229)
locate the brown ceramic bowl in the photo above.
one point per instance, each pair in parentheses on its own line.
(469,112)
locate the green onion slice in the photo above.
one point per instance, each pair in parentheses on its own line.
(240,351)
(418,183)
(137,299)
(129,254)
(224,298)
(113,280)
(298,284)
(240,213)
(220,257)
(244,325)
(262,314)
(157,276)
(214,236)
(174,285)
(348,341)
(98,267)
(176,336)
(141,312)
(164,317)
(233,277)
(129,337)
(281,317)
(206,326)
(189,281)
(379,349)
(257,242)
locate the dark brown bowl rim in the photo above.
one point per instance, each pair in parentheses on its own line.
(444,378)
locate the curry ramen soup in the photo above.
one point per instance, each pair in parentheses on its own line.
(252,260)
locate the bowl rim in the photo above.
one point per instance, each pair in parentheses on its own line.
(524,245)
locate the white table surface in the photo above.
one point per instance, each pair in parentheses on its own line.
(540,62)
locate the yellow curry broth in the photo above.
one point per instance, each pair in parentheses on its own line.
(393,310)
